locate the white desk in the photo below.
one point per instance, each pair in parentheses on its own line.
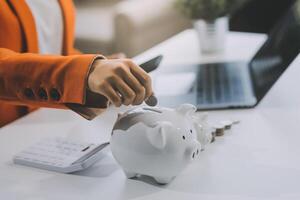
(259,159)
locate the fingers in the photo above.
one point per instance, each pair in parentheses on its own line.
(143,78)
(134,84)
(140,91)
(108,91)
(128,95)
(121,81)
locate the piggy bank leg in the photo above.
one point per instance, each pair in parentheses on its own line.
(163,180)
(130,174)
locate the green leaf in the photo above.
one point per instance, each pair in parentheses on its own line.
(208,9)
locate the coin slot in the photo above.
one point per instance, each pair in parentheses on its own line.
(153,110)
(86,148)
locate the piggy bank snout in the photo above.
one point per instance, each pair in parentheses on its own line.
(193,151)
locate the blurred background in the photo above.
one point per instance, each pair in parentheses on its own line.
(133,26)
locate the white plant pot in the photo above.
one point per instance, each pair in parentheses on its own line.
(212,34)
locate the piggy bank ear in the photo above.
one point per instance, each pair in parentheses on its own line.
(157,135)
(186,109)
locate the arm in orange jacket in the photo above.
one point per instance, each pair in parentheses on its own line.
(42,80)
(57,81)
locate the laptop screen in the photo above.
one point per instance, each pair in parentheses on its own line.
(277,53)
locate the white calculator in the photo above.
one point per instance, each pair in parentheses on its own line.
(60,155)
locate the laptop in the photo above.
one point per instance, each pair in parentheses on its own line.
(234,84)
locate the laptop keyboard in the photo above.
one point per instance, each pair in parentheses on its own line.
(220,84)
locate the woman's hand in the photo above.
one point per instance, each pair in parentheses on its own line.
(121,81)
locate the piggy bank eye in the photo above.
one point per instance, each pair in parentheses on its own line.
(191,131)
(183,137)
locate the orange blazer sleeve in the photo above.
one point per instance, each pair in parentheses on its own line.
(44,80)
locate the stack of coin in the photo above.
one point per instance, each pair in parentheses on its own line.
(227,124)
(220,129)
(223,125)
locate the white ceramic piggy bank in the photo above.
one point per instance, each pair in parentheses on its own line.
(158,142)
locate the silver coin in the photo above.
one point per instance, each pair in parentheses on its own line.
(151,101)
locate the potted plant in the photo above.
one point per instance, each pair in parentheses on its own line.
(210,19)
